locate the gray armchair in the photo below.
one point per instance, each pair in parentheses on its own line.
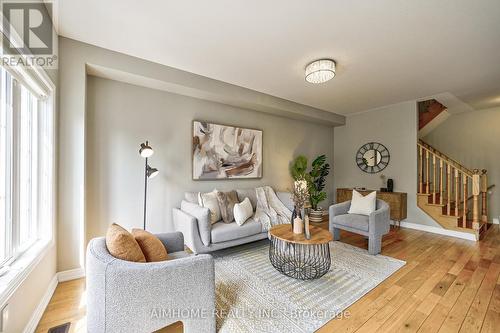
(126,296)
(374,226)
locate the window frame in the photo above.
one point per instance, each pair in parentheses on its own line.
(8,168)
(44,219)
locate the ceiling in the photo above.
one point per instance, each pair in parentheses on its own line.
(387,51)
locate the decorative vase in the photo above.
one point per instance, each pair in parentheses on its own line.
(390,185)
(296,213)
(298,226)
(297,223)
(307,231)
(316,215)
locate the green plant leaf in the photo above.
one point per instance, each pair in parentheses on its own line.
(317,180)
(318,161)
(298,167)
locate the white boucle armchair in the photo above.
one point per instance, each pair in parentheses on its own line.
(135,297)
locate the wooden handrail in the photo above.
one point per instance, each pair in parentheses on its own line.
(459,184)
(448,160)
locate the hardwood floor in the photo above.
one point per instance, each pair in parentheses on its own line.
(447,285)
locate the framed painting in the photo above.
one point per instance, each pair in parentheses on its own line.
(226,152)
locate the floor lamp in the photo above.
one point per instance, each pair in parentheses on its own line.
(146,151)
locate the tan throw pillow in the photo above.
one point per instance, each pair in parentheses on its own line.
(151,246)
(122,245)
(209,200)
(227,200)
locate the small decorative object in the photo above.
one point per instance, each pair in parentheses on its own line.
(146,151)
(307,230)
(298,226)
(390,185)
(372,157)
(382,178)
(383,189)
(294,216)
(317,183)
(226,152)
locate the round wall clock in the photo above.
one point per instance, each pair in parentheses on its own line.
(372,157)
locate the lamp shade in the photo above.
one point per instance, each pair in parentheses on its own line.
(152,172)
(320,71)
(146,150)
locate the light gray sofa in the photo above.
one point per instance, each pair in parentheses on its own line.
(126,296)
(374,226)
(202,237)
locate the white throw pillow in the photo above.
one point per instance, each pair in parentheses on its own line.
(209,200)
(363,205)
(243,211)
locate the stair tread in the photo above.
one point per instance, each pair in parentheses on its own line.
(437,204)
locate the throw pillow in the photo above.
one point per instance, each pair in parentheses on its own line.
(243,211)
(209,200)
(227,200)
(249,193)
(122,245)
(151,246)
(363,205)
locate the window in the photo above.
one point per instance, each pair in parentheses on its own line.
(26,166)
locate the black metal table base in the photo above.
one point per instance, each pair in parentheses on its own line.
(300,261)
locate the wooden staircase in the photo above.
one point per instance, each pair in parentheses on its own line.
(453,195)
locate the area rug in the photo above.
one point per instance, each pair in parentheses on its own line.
(253,297)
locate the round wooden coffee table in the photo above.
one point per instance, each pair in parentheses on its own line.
(295,256)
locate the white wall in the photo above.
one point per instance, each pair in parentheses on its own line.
(120,116)
(394,126)
(473,139)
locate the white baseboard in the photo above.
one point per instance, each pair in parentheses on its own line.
(71,274)
(37,314)
(440,231)
(58,277)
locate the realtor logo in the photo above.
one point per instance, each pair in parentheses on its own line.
(32,24)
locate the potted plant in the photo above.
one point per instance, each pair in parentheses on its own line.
(316,179)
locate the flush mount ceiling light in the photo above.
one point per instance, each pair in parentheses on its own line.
(320,71)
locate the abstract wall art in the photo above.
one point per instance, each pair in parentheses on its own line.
(226,152)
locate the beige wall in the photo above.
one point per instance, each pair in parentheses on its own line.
(28,295)
(120,116)
(394,126)
(473,139)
